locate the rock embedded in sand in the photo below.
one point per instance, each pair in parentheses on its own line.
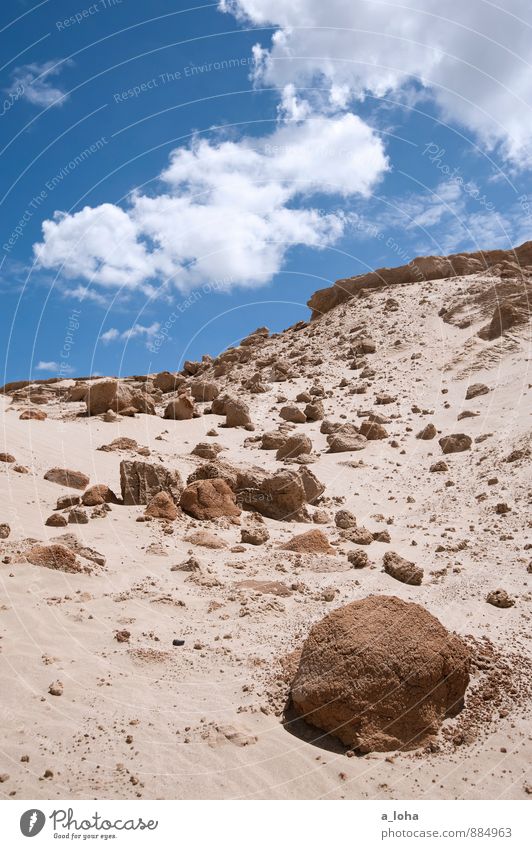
(292,413)
(140,481)
(255,536)
(428,432)
(167,381)
(340,442)
(237,413)
(55,556)
(314,411)
(56,688)
(500,598)
(206,539)
(207,450)
(401,569)
(33,415)
(56,520)
(476,389)
(380,674)
(294,446)
(358,559)
(162,506)
(180,408)
(6,458)
(103,395)
(455,443)
(67,477)
(204,390)
(439,466)
(310,542)
(100,493)
(373,430)
(209,499)
(78,516)
(5,530)
(345,519)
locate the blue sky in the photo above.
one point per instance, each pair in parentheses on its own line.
(174,175)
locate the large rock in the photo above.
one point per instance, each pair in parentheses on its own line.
(140,481)
(166,381)
(294,446)
(54,556)
(476,389)
(380,674)
(455,443)
(67,477)
(103,395)
(100,493)
(373,430)
(204,390)
(237,413)
(292,413)
(33,415)
(180,408)
(345,441)
(162,506)
(209,499)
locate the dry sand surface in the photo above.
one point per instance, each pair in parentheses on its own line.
(137,716)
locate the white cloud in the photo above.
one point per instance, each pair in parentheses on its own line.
(34,83)
(229,210)
(473,57)
(52,366)
(137,330)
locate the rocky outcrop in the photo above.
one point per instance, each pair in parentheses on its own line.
(140,482)
(380,674)
(180,408)
(106,395)
(416,271)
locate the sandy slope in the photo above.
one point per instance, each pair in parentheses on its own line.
(203,720)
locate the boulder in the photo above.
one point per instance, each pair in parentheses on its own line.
(207,450)
(180,408)
(358,559)
(439,466)
(204,390)
(273,440)
(476,389)
(380,674)
(255,536)
(311,542)
(103,395)
(292,413)
(140,481)
(100,493)
(67,477)
(65,501)
(344,519)
(428,432)
(77,392)
(401,569)
(6,458)
(167,381)
(294,446)
(340,442)
(162,506)
(237,413)
(315,411)
(373,430)
(500,598)
(209,499)
(455,443)
(56,520)
(5,530)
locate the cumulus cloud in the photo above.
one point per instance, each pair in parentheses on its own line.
(473,58)
(137,330)
(34,82)
(227,210)
(52,366)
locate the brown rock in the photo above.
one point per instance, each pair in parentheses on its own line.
(401,569)
(428,432)
(56,688)
(67,477)
(65,501)
(6,458)
(439,466)
(270,587)
(206,539)
(33,415)
(455,443)
(380,674)
(78,516)
(167,381)
(209,499)
(291,413)
(255,536)
(345,519)
(237,413)
(207,450)
(100,493)
(476,389)
(5,530)
(311,542)
(315,411)
(180,408)
(273,440)
(340,442)
(500,598)
(294,446)
(162,506)
(54,556)
(358,559)
(56,520)
(103,395)
(373,430)
(204,390)
(140,481)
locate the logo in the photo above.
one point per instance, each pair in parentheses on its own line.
(32,822)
